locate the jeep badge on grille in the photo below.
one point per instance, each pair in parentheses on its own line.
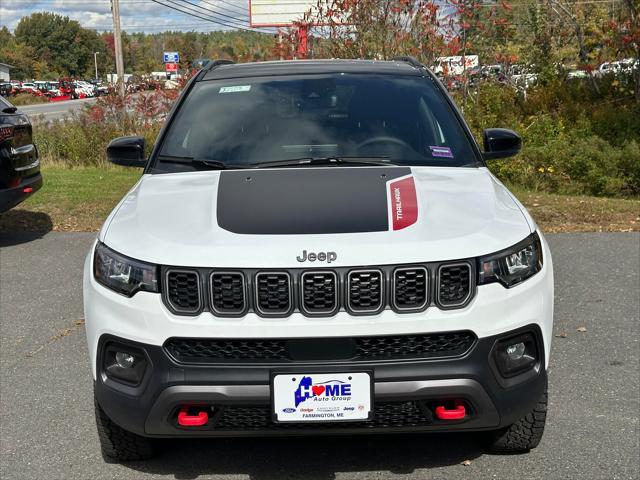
(320,256)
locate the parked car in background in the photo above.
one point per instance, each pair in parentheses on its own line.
(42,86)
(27,87)
(628,65)
(19,165)
(5,89)
(84,89)
(522,77)
(99,87)
(577,74)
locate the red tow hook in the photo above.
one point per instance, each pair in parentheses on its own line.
(186,420)
(456,413)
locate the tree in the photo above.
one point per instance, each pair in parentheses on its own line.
(376,29)
(623,36)
(60,42)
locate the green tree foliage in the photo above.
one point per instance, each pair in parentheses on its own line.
(61,43)
(48,46)
(20,56)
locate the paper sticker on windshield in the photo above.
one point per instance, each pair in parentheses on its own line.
(235,89)
(441,152)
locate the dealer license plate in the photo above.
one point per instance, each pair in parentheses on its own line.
(321,397)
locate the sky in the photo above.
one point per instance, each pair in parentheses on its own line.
(136,15)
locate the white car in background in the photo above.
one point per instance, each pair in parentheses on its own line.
(27,87)
(84,88)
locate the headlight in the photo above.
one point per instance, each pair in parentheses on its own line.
(123,274)
(513,265)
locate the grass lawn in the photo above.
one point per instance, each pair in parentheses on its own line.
(80,199)
(77,199)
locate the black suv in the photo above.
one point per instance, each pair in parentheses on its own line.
(19,165)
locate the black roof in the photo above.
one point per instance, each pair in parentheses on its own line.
(301,67)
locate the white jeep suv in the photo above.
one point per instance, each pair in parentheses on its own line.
(317,247)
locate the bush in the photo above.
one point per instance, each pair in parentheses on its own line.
(82,140)
(574,140)
(27,99)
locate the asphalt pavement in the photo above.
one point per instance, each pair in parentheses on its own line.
(55,110)
(47,429)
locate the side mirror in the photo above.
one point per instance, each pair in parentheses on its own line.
(127,151)
(500,143)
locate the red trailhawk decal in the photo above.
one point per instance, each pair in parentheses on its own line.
(403,203)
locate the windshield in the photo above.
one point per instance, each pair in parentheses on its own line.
(248,122)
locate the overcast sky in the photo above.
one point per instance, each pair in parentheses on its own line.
(137,15)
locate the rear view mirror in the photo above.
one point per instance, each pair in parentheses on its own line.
(127,151)
(500,143)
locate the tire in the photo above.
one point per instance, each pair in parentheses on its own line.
(118,444)
(523,435)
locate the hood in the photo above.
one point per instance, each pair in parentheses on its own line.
(274,218)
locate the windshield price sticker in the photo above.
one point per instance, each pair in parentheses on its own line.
(235,89)
(327,397)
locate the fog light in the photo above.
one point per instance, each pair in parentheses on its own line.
(516,354)
(124,363)
(124,360)
(515,351)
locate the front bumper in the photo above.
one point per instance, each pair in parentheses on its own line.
(404,392)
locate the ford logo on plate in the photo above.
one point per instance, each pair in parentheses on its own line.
(288,410)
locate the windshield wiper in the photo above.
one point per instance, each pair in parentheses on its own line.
(200,162)
(323,161)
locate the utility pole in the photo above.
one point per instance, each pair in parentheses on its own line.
(117,43)
(95,62)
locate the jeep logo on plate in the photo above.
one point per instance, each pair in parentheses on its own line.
(320,256)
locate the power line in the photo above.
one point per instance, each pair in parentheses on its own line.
(233,6)
(179,8)
(209,11)
(168,27)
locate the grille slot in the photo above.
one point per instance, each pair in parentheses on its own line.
(410,288)
(204,350)
(319,292)
(414,346)
(273,293)
(183,291)
(228,293)
(276,350)
(385,415)
(454,284)
(365,291)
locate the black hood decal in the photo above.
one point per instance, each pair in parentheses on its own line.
(306,200)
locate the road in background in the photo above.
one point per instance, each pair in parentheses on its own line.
(47,429)
(55,110)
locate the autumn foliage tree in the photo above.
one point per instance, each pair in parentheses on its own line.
(379,29)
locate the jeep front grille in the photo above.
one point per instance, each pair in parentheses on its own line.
(183,291)
(454,285)
(228,293)
(365,290)
(273,293)
(319,292)
(283,350)
(410,288)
